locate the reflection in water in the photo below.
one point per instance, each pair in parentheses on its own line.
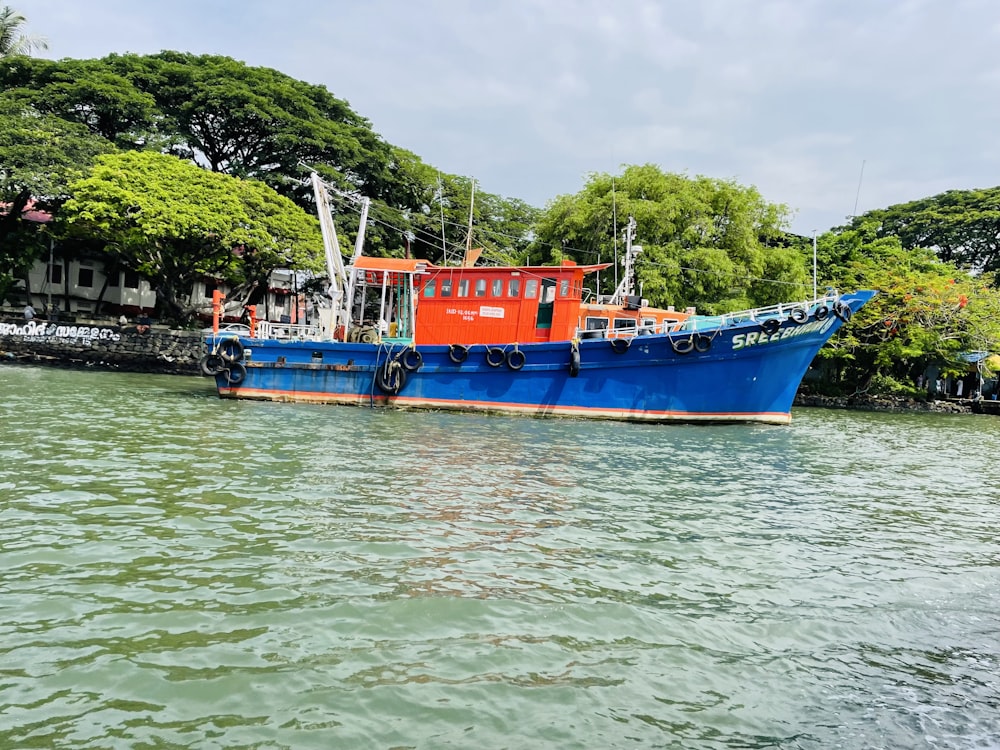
(183,571)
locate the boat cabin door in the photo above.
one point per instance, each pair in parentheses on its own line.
(546,303)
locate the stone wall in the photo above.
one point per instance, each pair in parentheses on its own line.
(158,349)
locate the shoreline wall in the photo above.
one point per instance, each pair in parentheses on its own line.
(157,350)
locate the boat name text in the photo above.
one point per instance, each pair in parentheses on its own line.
(754,338)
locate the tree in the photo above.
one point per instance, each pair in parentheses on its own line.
(707,243)
(12,40)
(176,223)
(926,312)
(88,92)
(960,226)
(39,156)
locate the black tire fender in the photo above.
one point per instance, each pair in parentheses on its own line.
(236,373)
(516,359)
(702,343)
(212,364)
(230,349)
(495,356)
(620,346)
(822,312)
(798,316)
(458,353)
(574,361)
(411,360)
(843,311)
(682,346)
(771,326)
(390,377)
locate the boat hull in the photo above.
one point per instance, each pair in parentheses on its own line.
(747,374)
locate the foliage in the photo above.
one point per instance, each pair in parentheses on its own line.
(87,92)
(707,243)
(175,223)
(926,312)
(13,41)
(960,226)
(39,154)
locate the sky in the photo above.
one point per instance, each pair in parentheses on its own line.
(831,107)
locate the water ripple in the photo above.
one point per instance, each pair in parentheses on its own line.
(185,572)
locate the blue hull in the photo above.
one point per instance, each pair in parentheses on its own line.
(746,374)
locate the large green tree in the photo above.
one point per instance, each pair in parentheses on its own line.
(707,243)
(13,39)
(39,156)
(927,312)
(960,226)
(88,92)
(176,223)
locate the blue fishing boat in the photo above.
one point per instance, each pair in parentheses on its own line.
(526,340)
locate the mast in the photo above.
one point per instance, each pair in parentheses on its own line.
(331,247)
(627,286)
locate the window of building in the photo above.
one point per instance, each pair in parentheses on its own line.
(480,287)
(85,278)
(131,280)
(445,287)
(55,274)
(463,288)
(531,288)
(514,288)
(209,288)
(429,288)
(113,278)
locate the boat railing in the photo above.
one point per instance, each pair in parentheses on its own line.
(715,322)
(286,331)
(780,310)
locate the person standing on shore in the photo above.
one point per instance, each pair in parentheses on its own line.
(29,312)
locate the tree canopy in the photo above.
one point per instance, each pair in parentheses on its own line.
(39,155)
(176,223)
(706,242)
(927,311)
(960,226)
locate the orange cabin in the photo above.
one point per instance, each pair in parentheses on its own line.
(476,305)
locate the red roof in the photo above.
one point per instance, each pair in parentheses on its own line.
(30,213)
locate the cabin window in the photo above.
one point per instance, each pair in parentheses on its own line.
(597,324)
(531,289)
(549,291)
(463,288)
(514,288)
(623,323)
(497,288)
(564,287)
(649,322)
(480,287)
(445,287)
(429,287)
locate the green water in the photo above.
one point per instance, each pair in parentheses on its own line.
(180,571)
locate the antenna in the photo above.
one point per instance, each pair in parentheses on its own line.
(614,227)
(858,195)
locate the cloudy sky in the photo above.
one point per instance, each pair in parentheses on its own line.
(829,106)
